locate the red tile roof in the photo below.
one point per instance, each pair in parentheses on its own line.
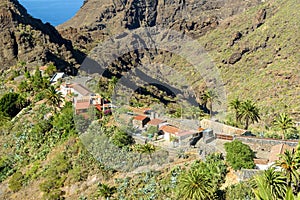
(190,132)
(156,121)
(201,129)
(139,117)
(82,105)
(170,129)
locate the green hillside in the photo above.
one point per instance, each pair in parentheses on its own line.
(269,69)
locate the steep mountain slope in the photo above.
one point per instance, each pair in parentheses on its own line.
(257,50)
(98,19)
(24,38)
(261,62)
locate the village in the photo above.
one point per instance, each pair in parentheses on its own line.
(208,137)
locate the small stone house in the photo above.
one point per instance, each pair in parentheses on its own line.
(156,122)
(140,121)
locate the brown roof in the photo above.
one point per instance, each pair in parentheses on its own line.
(138,110)
(170,129)
(201,129)
(156,121)
(261,161)
(139,117)
(43,68)
(82,105)
(81,89)
(277,150)
(190,132)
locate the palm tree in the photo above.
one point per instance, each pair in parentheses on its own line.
(194,185)
(4,118)
(290,195)
(106,191)
(289,166)
(284,123)
(270,185)
(249,113)
(148,149)
(22,101)
(209,97)
(53,97)
(144,149)
(235,104)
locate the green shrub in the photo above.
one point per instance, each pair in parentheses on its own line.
(239,191)
(239,155)
(6,167)
(32,174)
(16,182)
(121,139)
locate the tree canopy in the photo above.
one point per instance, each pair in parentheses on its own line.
(239,155)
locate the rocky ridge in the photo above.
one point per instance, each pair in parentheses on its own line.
(95,21)
(27,39)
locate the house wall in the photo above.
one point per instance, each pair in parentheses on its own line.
(137,123)
(167,136)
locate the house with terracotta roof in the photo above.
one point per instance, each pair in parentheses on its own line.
(82,106)
(169,132)
(156,123)
(182,137)
(140,121)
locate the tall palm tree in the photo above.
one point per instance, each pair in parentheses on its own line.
(144,149)
(284,123)
(106,191)
(53,97)
(248,113)
(149,149)
(235,104)
(289,166)
(270,185)
(208,97)
(194,185)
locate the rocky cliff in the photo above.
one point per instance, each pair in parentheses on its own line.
(254,44)
(97,19)
(24,38)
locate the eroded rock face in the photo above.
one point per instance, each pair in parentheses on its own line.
(24,38)
(99,18)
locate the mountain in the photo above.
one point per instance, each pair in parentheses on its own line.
(254,44)
(26,39)
(96,20)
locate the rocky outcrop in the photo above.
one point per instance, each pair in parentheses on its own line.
(259,18)
(27,39)
(96,20)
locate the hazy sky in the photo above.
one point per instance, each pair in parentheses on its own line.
(53,11)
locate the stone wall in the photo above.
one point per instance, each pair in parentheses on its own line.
(265,141)
(220,128)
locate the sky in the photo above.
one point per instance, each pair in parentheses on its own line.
(53,11)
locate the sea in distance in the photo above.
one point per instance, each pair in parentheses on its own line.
(53,11)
